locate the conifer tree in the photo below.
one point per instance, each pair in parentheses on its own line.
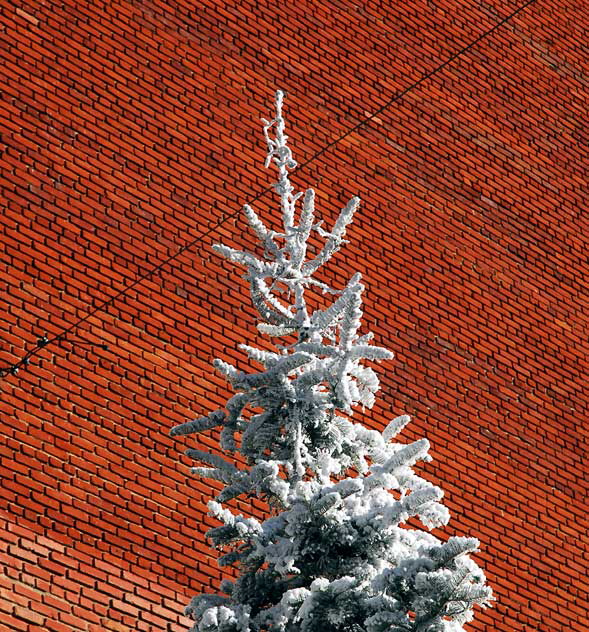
(335,553)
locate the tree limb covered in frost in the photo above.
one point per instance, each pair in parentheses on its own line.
(336,553)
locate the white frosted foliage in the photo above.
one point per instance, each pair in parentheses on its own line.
(340,550)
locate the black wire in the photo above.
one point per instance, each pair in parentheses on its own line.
(416,84)
(44,341)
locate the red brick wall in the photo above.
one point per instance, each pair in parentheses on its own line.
(130,128)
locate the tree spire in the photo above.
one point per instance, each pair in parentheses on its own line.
(336,553)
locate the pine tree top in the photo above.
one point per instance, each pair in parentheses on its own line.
(336,553)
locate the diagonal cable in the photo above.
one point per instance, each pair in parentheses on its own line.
(62,336)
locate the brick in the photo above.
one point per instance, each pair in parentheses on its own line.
(29,615)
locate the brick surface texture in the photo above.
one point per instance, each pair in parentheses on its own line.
(131,128)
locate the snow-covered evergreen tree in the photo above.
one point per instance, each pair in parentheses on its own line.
(336,553)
